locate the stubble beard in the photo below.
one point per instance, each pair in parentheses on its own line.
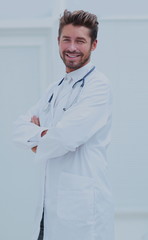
(72,65)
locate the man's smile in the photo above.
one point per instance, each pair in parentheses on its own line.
(72,55)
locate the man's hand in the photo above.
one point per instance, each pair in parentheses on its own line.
(44,133)
(36,121)
(34,149)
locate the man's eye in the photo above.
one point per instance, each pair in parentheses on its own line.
(80,41)
(65,40)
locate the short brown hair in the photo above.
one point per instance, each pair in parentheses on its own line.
(80,18)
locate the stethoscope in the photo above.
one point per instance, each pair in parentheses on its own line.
(73,86)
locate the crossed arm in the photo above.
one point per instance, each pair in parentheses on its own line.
(91,112)
(36,121)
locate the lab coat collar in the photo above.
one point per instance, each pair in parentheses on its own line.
(79,73)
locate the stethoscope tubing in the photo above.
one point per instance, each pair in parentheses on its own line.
(73,86)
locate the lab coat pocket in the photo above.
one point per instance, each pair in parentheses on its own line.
(75,198)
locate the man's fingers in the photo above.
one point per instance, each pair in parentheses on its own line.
(35,120)
(34,149)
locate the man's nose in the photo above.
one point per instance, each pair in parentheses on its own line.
(72,47)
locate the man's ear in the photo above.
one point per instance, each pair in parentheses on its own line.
(94,45)
(58,40)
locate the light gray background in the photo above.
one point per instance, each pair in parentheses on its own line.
(122,54)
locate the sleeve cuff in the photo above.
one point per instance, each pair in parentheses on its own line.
(37,137)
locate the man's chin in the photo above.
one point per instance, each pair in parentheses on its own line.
(70,69)
(73,66)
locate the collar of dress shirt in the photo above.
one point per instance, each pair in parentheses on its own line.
(79,73)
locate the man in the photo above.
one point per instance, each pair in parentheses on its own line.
(69,130)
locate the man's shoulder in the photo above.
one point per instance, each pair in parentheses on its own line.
(98,78)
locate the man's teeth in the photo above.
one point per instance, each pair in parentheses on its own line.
(72,56)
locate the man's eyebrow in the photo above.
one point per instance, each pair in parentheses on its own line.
(65,36)
(78,38)
(81,38)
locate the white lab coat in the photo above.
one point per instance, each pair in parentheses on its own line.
(74,189)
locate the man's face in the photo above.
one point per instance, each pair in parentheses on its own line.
(75,46)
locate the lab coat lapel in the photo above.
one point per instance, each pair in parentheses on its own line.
(55,93)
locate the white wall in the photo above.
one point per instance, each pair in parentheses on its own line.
(20,9)
(29,61)
(125,62)
(106,8)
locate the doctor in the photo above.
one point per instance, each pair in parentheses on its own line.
(69,132)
